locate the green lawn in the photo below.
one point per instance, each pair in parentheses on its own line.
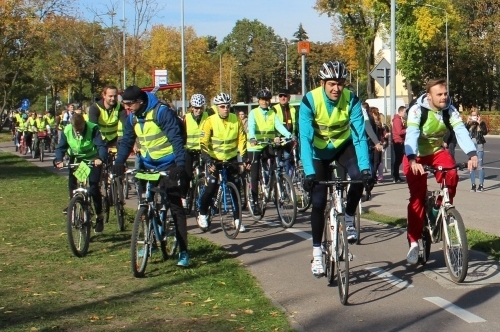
(5,135)
(45,288)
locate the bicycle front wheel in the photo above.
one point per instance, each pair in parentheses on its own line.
(357,222)
(230,210)
(42,150)
(327,245)
(170,243)
(141,238)
(78,226)
(117,193)
(189,198)
(286,202)
(456,250)
(342,259)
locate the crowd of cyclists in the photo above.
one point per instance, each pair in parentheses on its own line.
(330,125)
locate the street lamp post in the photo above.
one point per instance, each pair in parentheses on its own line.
(286,62)
(220,67)
(124,50)
(446,29)
(183,64)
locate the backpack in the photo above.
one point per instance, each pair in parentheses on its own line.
(425,114)
(180,122)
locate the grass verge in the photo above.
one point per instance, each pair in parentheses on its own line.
(5,135)
(45,288)
(477,240)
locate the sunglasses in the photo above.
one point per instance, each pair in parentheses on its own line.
(197,108)
(281,96)
(224,106)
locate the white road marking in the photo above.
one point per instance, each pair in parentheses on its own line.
(455,310)
(389,277)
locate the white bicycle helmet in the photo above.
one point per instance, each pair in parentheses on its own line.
(222,98)
(333,70)
(197,100)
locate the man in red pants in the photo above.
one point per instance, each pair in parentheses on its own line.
(428,121)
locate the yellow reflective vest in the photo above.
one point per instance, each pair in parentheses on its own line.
(108,123)
(151,138)
(264,127)
(224,145)
(193,131)
(334,128)
(279,112)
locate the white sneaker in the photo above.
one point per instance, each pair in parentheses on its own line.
(203,221)
(317,267)
(242,227)
(352,235)
(412,256)
(184,203)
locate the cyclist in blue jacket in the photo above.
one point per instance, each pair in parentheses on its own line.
(332,128)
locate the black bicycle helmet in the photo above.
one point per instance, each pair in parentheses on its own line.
(264,94)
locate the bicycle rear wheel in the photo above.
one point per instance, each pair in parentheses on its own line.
(22,148)
(303,197)
(78,226)
(250,202)
(455,247)
(230,210)
(126,186)
(189,197)
(118,203)
(170,243)
(105,201)
(286,203)
(141,238)
(327,245)
(342,259)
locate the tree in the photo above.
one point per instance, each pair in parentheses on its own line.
(359,23)
(257,48)
(300,34)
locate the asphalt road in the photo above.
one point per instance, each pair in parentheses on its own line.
(386,294)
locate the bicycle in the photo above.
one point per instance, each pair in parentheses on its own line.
(298,176)
(128,182)
(227,202)
(357,215)
(151,224)
(113,193)
(448,227)
(39,141)
(23,149)
(80,211)
(192,191)
(279,185)
(335,244)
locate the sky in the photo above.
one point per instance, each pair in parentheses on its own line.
(218,17)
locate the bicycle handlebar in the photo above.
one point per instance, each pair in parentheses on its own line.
(283,142)
(433,169)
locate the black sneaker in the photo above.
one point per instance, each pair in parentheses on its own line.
(65,210)
(480,188)
(99,225)
(256,210)
(473,189)
(398,181)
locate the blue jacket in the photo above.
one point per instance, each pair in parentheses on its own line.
(167,120)
(308,152)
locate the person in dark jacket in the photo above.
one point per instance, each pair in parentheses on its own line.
(398,142)
(159,131)
(477,129)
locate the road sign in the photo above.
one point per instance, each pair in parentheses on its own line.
(303,47)
(160,77)
(380,72)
